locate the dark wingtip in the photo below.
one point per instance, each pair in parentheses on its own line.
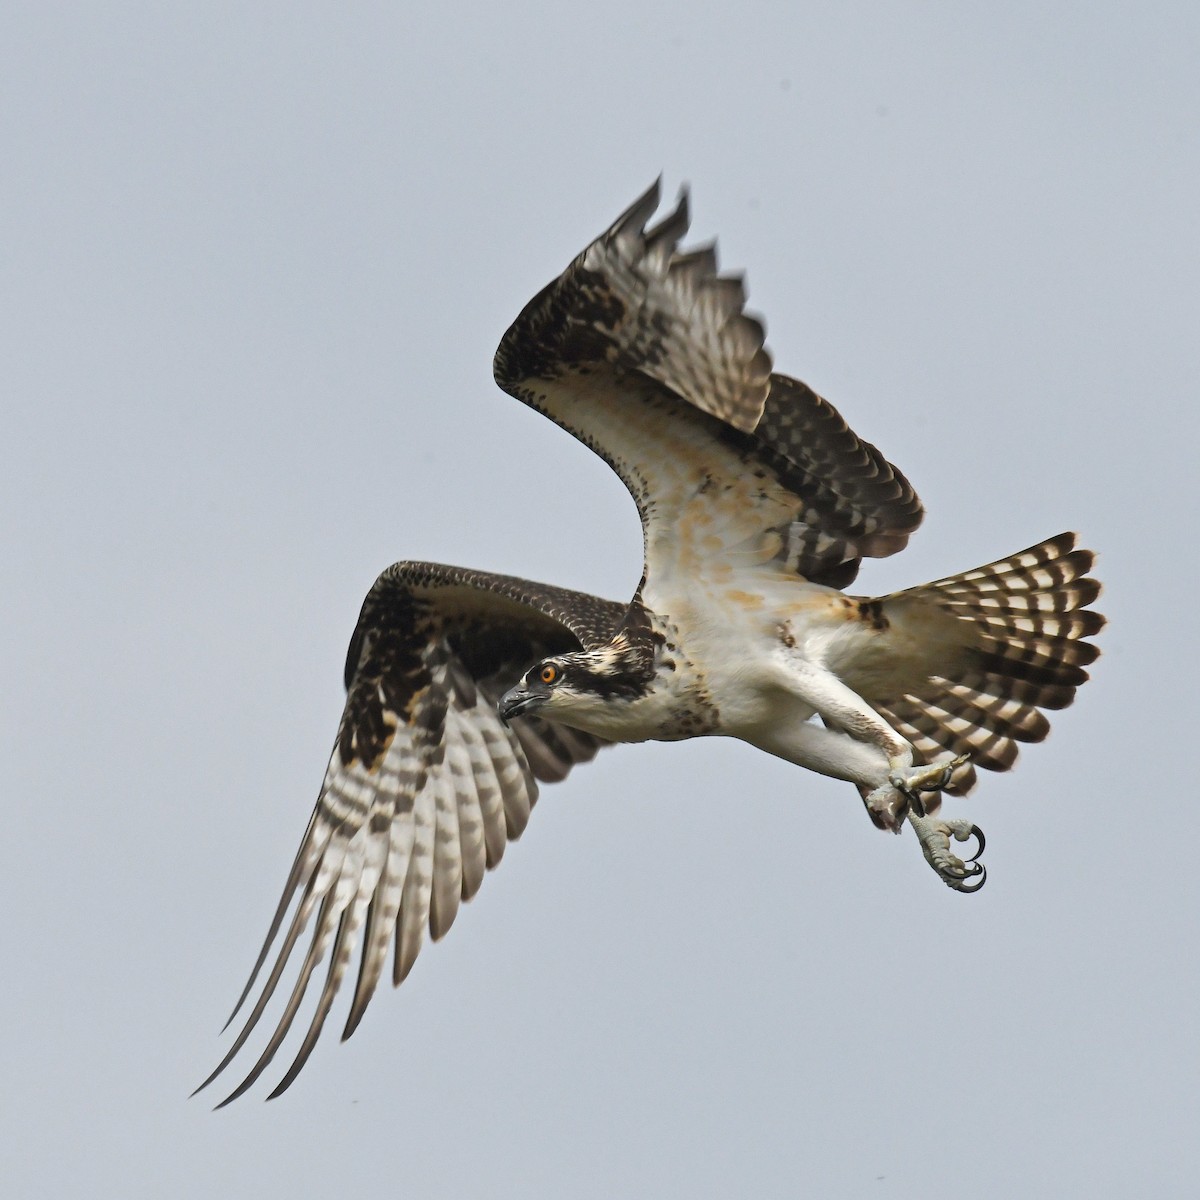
(634,218)
(238,1091)
(220,1067)
(672,227)
(352,1022)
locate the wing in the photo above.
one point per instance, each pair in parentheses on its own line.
(646,354)
(425,785)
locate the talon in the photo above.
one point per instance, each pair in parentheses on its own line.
(976,833)
(957,869)
(954,872)
(964,886)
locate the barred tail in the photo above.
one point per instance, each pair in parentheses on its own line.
(1022,649)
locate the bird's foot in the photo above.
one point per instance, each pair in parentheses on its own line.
(934,834)
(887,807)
(930,777)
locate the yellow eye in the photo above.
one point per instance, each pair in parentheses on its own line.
(548,674)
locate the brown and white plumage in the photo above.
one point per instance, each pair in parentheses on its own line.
(648,357)
(1026,617)
(758,504)
(425,786)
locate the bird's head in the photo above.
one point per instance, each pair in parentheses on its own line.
(550,687)
(580,689)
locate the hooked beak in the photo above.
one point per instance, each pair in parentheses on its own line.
(519,700)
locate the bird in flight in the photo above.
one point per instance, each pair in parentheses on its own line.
(466,689)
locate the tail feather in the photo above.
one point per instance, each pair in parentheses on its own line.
(1001,625)
(1008,716)
(1021,650)
(929,746)
(962,734)
(1033,663)
(1051,696)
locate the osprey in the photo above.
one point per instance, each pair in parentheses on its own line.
(466,689)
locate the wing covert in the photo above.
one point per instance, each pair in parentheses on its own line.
(425,786)
(853,482)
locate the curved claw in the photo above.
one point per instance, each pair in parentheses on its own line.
(935,837)
(960,879)
(977,833)
(963,884)
(965,835)
(955,870)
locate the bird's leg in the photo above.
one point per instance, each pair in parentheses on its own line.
(934,834)
(889,799)
(834,753)
(911,781)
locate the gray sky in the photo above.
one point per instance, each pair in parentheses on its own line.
(256,262)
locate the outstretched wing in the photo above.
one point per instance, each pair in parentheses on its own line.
(425,785)
(647,355)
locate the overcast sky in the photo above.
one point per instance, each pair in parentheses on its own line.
(256,260)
